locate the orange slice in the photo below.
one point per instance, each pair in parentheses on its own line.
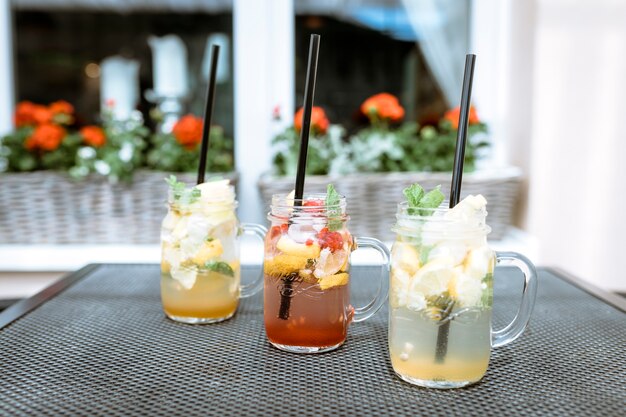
(334,280)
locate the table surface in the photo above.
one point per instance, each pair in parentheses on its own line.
(97,343)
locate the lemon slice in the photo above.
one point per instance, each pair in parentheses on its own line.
(329,263)
(290,247)
(466,290)
(208,250)
(283,264)
(433,278)
(479,262)
(334,280)
(405,256)
(165,267)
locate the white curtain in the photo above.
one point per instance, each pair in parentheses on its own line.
(442,30)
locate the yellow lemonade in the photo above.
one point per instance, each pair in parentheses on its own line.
(213,297)
(200,270)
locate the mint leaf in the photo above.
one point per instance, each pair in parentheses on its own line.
(220,267)
(180,192)
(418,200)
(413,194)
(178,187)
(424,253)
(195,195)
(431,200)
(333,210)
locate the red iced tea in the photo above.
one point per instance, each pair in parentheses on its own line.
(300,313)
(307,292)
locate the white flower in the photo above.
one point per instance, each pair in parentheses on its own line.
(126,153)
(102,167)
(87,152)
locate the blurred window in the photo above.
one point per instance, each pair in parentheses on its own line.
(414,49)
(59,48)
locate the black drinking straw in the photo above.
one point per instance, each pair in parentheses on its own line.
(455,190)
(309,92)
(208,113)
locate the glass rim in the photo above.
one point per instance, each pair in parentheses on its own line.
(281,201)
(403,209)
(404,219)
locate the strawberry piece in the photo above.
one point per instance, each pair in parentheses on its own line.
(330,240)
(314,206)
(313,203)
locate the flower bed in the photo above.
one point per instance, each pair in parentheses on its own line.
(373,165)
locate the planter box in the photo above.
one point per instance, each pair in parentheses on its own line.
(372,198)
(48,207)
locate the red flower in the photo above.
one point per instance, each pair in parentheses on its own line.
(24,114)
(383,106)
(61,107)
(319,121)
(453,116)
(93,135)
(42,114)
(46,137)
(188,131)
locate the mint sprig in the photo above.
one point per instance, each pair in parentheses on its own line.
(333,210)
(180,192)
(418,200)
(220,267)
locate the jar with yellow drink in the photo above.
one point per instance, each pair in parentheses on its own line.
(441,293)
(200,269)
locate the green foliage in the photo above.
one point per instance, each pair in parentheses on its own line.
(119,157)
(166,154)
(14,157)
(379,148)
(326,153)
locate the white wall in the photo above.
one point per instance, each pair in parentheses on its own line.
(6,68)
(577,194)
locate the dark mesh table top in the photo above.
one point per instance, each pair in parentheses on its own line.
(104,347)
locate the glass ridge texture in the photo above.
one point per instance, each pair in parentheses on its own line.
(441,296)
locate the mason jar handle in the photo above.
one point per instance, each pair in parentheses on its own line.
(367,311)
(255,286)
(518,325)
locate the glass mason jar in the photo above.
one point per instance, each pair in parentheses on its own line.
(307,275)
(200,270)
(441,297)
